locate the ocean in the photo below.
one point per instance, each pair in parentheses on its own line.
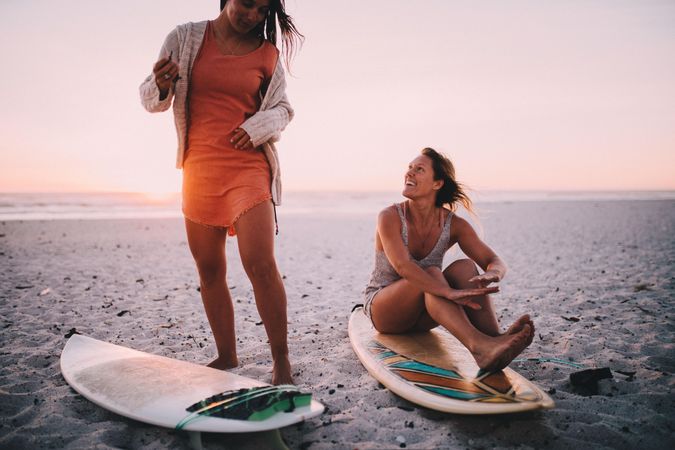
(55,206)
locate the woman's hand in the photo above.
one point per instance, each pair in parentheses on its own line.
(487,278)
(463,296)
(166,73)
(241,140)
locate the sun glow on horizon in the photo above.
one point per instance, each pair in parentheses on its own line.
(531,96)
(160,196)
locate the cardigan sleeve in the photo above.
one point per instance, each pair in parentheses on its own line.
(148,90)
(267,124)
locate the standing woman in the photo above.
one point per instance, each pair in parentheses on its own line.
(229,103)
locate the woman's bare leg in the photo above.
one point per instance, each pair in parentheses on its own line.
(457,275)
(207,245)
(490,352)
(255,237)
(400,307)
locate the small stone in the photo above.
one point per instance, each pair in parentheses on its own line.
(641,287)
(71,332)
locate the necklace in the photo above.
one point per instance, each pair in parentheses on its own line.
(223,41)
(429,230)
(427,234)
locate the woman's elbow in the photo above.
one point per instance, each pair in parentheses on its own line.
(153,105)
(497,262)
(155,108)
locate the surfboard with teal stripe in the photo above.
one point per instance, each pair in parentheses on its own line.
(177,394)
(434,370)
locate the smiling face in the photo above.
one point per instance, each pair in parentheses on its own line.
(419,179)
(245,15)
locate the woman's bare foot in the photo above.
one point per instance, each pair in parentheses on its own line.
(496,353)
(223,363)
(518,325)
(281,371)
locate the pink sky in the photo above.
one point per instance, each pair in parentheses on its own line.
(572,95)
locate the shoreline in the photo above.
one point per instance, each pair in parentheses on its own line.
(99,206)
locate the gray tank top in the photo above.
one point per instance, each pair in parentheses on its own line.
(384,273)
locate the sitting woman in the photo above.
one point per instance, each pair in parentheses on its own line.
(408,290)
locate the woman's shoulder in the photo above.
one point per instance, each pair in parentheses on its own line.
(460,226)
(269,47)
(187,34)
(389,213)
(182,30)
(270,54)
(458,220)
(189,25)
(391,209)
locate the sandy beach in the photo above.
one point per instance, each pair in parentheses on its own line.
(598,277)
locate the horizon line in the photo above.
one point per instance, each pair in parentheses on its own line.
(346,191)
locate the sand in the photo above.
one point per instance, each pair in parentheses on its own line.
(597,277)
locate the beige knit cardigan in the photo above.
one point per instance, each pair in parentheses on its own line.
(264,127)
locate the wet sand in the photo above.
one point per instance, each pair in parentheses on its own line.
(598,278)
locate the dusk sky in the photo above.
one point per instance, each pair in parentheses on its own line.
(531,95)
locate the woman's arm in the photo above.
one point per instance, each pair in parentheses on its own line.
(150,94)
(267,124)
(396,252)
(479,252)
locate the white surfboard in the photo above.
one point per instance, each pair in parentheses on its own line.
(433,369)
(157,390)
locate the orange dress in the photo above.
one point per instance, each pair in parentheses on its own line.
(220,183)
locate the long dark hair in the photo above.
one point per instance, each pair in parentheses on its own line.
(452,192)
(291,38)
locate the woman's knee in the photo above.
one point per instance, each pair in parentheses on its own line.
(459,272)
(262,270)
(207,246)
(211,270)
